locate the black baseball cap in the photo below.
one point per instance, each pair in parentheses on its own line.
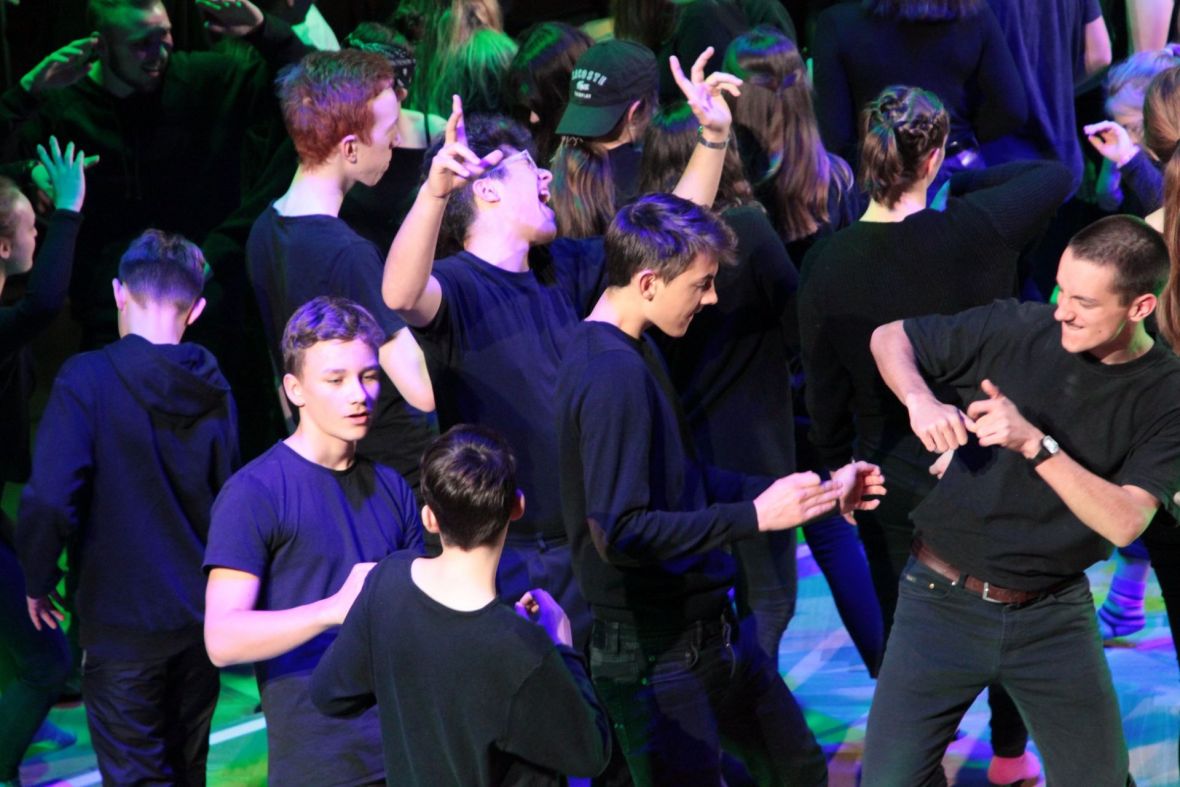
(606,80)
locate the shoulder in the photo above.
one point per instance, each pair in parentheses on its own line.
(260,478)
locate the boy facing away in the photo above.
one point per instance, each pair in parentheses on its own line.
(136,441)
(468,691)
(293,536)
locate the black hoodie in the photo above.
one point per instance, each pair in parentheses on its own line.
(136,441)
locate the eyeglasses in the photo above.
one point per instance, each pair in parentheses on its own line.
(522,155)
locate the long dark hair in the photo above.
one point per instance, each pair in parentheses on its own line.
(776,114)
(900,128)
(650,22)
(668,145)
(538,79)
(1161,135)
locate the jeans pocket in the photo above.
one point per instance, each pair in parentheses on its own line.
(918,581)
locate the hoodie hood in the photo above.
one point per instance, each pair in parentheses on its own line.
(174,379)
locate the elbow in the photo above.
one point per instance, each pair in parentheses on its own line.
(1125,532)
(220,652)
(880,338)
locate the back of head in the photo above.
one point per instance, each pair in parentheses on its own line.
(899,129)
(485,133)
(663,233)
(1131,248)
(327,96)
(1126,87)
(164,269)
(327,318)
(669,143)
(775,121)
(469,483)
(924,10)
(389,44)
(608,80)
(648,22)
(539,77)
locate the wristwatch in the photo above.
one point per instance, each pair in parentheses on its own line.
(1049,447)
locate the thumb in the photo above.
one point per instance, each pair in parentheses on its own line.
(991,390)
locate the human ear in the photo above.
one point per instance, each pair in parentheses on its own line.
(5,248)
(1142,306)
(195,312)
(646,279)
(429,520)
(517,507)
(348,148)
(294,389)
(486,189)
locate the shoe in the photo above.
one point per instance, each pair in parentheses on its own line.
(1024,770)
(50,737)
(1122,612)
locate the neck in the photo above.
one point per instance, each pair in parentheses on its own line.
(618,306)
(102,76)
(324,450)
(315,191)
(505,251)
(910,203)
(158,326)
(1137,344)
(461,580)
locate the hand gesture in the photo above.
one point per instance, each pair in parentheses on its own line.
(940,427)
(60,175)
(792,500)
(455,164)
(704,94)
(342,599)
(856,480)
(1112,141)
(233,18)
(63,67)
(999,422)
(45,610)
(539,607)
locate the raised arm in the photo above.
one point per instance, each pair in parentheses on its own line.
(1118,513)
(407,284)
(940,427)
(405,365)
(702,174)
(237,633)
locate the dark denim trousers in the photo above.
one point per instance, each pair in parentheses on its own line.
(677,698)
(947,645)
(39,662)
(149,720)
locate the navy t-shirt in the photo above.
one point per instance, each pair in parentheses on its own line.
(493,352)
(301,527)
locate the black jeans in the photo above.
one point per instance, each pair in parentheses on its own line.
(149,720)
(677,698)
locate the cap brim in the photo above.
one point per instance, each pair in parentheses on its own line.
(580,120)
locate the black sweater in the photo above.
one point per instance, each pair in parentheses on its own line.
(136,440)
(647,523)
(932,262)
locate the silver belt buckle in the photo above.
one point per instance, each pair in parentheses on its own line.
(986,587)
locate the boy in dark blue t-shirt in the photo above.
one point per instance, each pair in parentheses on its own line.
(293,536)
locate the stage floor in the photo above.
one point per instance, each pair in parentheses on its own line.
(819,663)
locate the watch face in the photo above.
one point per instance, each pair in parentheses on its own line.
(1050,444)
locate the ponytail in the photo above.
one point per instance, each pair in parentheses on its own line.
(899,129)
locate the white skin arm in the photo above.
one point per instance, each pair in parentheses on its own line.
(402,360)
(702,174)
(1097,53)
(407,284)
(237,633)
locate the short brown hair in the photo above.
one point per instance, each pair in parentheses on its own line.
(899,128)
(325,319)
(664,233)
(328,95)
(163,268)
(469,482)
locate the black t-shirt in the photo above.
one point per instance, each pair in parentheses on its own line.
(293,259)
(493,351)
(465,698)
(377,212)
(300,528)
(992,515)
(648,524)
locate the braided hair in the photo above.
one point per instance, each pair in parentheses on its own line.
(899,129)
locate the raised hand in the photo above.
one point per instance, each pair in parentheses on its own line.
(540,607)
(940,427)
(61,175)
(63,67)
(234,18)
(1112,141)
(857,480)
(454,164)
(704,94)
(998,422)
(795,499)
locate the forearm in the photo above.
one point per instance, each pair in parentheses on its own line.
(702,176)
(895,359)
(411,256)
(1097,47)
(1116,513)
(48,284)
(1144,181)
(242,636)
(405,365)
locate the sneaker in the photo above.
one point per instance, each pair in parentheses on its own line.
(1024,771)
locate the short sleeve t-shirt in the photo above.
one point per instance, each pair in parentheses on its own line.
(992,515)
(493,351)
(300,528)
